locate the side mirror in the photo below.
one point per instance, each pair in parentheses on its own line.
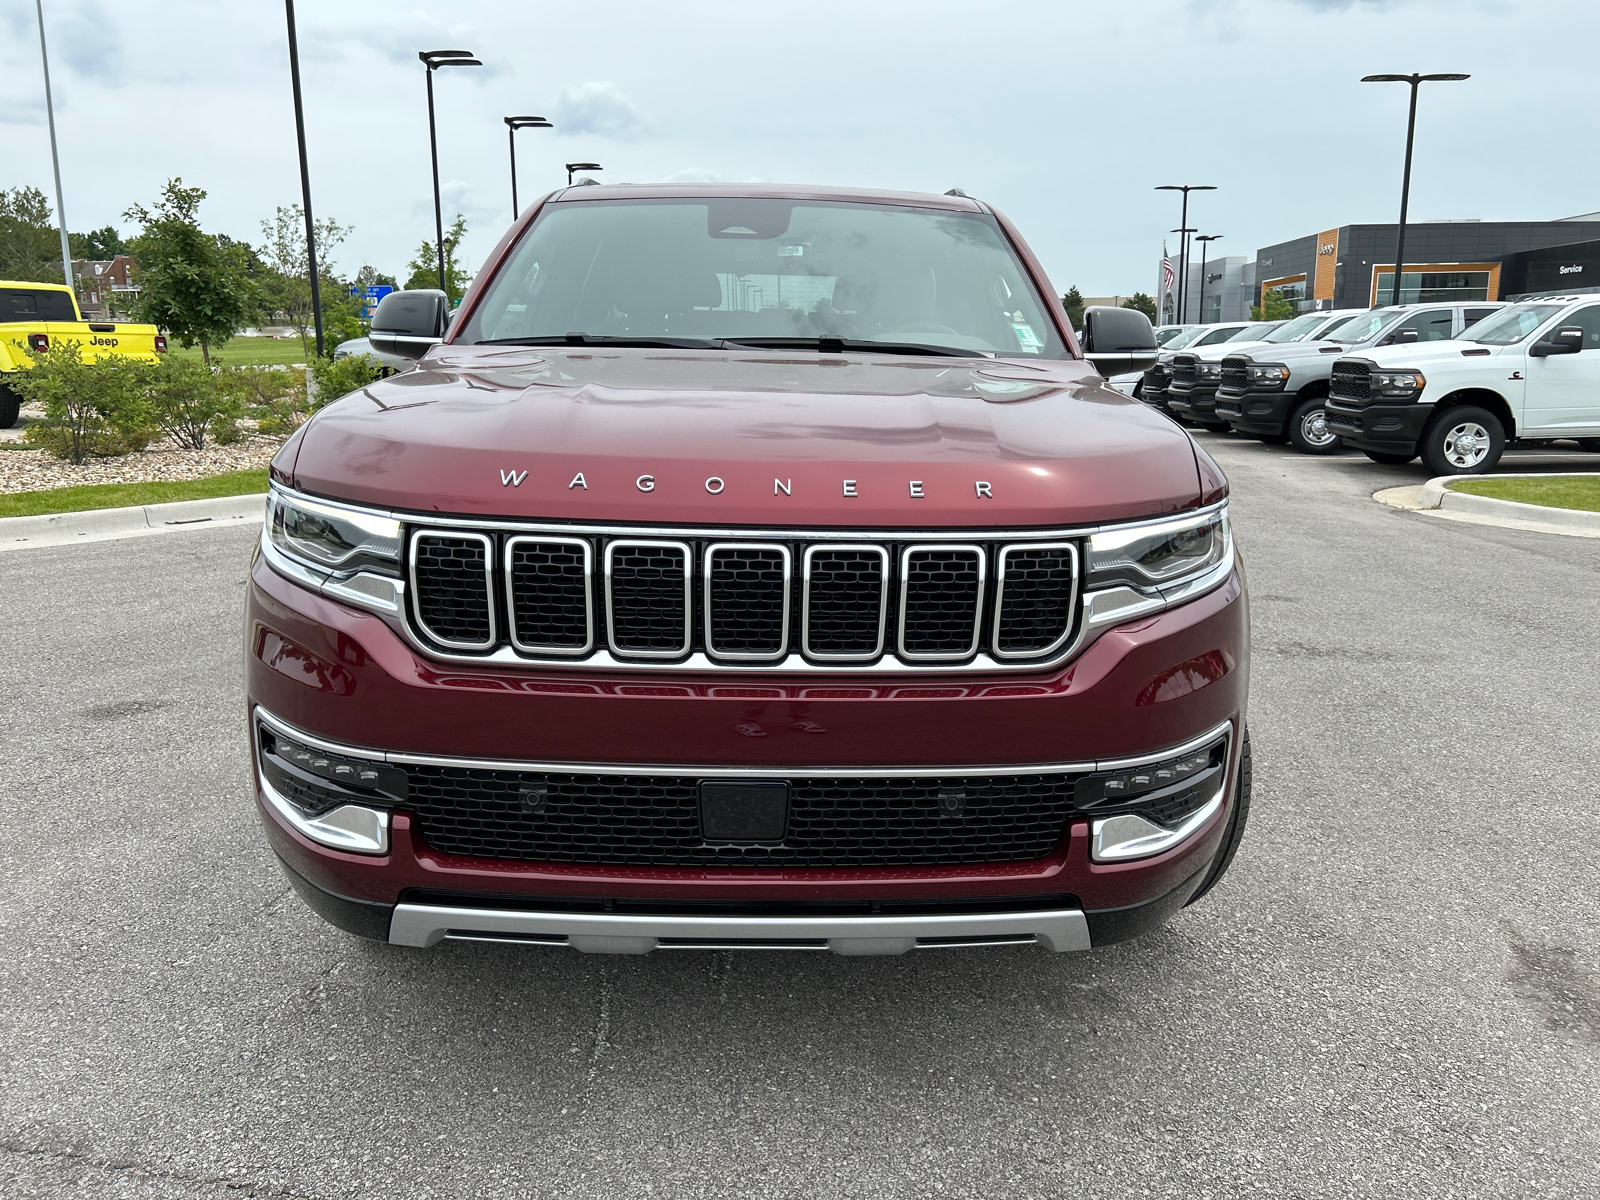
(1119,340)
(1401,337)
(409,324)
(1566,340)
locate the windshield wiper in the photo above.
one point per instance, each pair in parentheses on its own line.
(605,339)
(833,345)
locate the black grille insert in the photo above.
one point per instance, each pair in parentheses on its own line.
(655,819)
(1035,599)
(1235,375)
(1351,381)
(747,601)
(1186,370)
(451,588)
(547,582)
(647,592)
(941,602)
(844,609)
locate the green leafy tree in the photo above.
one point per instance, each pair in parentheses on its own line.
(1073,303)
(101,244)
(1273,307)
(92,408)
(192,284)
(1142,303)
(424,267)
(285,253)
(332,378)
(30,247)
(188,401)
(370,276)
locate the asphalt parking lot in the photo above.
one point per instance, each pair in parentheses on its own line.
(1396,992)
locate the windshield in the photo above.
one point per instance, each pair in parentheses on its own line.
(1361,326)
(710,268)
(1165,337)
(1510,324)
(1254,332)
(1293,331)
(1187,338)
(1217,333)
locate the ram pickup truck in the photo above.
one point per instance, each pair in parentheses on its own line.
(1279,396)
(749,566)
(1151,385)
(1530,372)
(32,315)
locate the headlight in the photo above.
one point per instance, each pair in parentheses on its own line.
(1396,383)
(1160,556)
(1210,370)
(335,540)
(1268,377)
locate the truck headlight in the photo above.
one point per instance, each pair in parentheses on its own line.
(1164,555)
(1267,377)
(1396,383)
(1210,370)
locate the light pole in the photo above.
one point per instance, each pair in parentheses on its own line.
(571,167)
(305,175)
(1405,184)
(1185,230)
(512,125)
(433,59)
(55,159)
(1183,220)
(1205,239)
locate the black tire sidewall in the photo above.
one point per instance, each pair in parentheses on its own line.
(10,406)
(1441,423)
(1297,417)
(1387,459)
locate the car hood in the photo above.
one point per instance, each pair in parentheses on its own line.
(1222,349)
(1293,352)
(1420,354)
(747,438)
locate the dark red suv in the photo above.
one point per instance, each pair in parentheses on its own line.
(749,567)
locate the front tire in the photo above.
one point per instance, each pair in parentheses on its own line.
(1463,441)
(10,407)
(1236,823)
(1217,426)
(1273,439)
(1387,459)
(1592,445)
(1309,431)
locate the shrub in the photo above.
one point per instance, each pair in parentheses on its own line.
(91,409)
(275,398)
(339,378)
(189,401)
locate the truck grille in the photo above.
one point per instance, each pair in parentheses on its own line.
(654,820)
(1155,381)
(1351,382)
(760,601)
(1186,370)
(1235,375)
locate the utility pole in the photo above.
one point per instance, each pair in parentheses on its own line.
(55,157)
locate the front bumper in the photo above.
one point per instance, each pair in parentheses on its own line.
(1255,412)
(1138,691)
(1197,403)
(1383,428)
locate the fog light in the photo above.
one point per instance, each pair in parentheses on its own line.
(1148,809)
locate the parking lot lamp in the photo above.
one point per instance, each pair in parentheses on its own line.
(305,175)
(512,125)
(1405,183)
(55,159)
(1183,256)
(571,167)
(433,59)
(1183,220)
(1204,239)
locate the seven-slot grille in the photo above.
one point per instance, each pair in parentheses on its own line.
(1235,374)
(751,602)
(1186,370)
(1351,382)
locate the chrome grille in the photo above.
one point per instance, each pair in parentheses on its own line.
(1351,382)
(759,601)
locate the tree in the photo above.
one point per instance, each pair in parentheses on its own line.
(1073,303)
(285,252)
(425,266)
(191,283)
(370,276)
(1273,307)
(98,244)
(30,247)
(1142,303)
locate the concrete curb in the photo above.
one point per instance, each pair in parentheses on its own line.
(106,524)
(1436,499)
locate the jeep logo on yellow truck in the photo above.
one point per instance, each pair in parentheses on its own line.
(102,341)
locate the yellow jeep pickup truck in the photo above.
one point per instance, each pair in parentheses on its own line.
(32,315)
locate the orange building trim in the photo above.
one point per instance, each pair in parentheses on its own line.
(1422,268)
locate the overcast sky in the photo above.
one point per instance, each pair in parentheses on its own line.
(1063,113)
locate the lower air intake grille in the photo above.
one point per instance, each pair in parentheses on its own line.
(451,584)
(647,586)
(655,820)
(941,598)
(1036,599)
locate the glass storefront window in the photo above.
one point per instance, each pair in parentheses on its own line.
(1435,287)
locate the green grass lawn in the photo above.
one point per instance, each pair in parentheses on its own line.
(125,495)
(1552,491)
(249,352)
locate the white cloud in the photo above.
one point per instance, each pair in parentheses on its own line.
(599,109)
(86,41)
(695,175)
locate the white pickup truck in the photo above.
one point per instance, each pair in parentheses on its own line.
(1530,372)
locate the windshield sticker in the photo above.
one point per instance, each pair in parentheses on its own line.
(791,251)
(1026,337)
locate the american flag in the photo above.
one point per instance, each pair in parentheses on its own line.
(1168,275)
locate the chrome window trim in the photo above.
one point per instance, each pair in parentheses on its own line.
(705,599)
(805,602)
(977,613)
(687,551)
(588,596)
(402,758)
(459,535)
(1000,599)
